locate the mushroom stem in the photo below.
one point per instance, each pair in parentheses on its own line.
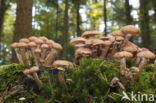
(37,80)
(19,57)
(104,52)
(141,67)
(61,75)
(24,56)
(122,66)
(114,50)
(30,77)
(121,86)
(37,59)
(51,57)
(137,61)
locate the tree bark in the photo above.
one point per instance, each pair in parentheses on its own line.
(57,16)
(65,31)
(23,23)
(105,17)
(144,23)
(78,20)
(128,13)
(3,8)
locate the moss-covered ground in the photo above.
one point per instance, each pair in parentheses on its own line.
(87,83)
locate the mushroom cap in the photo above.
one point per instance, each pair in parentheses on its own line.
(39,41)
(107,43)
(44,46)
(43,38)
(89,42)
(32,44)
(26,71)
(146,54)
(78,41)
(50,43)
(98,42)
(130,47)
(57,46)
(34,69)
(14,45)
(114,81)
(119,38)
(111,38)
(24,40)
(81,51)
(88,34)
(62,64)
(123,54)
(38,50)
(104,38)
(117,33)
(22,45)
(130,29)
(32,38)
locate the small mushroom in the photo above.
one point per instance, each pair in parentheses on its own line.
(130,47)
(44,48)
(37,56)
(135,69)
(61,65)
(34,71)
(116,82)
(32,38)
(17,51)
(118,33)
(78,42)
(39,42)
(144,55)
(27,73)
(44,39)
(122,56)
(90,34)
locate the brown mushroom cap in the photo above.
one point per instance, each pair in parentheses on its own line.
(34,69)
(89,42)
(26,71)
(32,38)
(117,33)
(88,34)
(97,42)
(57,46)
(146,54)
(39,41)
(50,43)
(62,64)
(130,47)
(24,40)
(107,43)
(78,41)
(43,38)
(119,38)
(22,45)
(32,44)
(134,69)
(44,46)
(37,50)
(14,45)
(81,51)
(123,54)
(130,29)
(104,38)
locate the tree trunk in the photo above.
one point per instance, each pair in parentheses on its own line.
(105,17)
(78,20)
(65,31)
(144,23)
(154,6)
(128,13)
(3,8)
(57,16)
(23,24)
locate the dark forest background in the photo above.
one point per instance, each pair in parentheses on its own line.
(61,20)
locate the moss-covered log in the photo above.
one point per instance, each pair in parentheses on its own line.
(87,83)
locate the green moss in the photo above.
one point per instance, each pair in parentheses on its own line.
(87,83)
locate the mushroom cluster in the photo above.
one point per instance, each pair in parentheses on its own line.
(43,52)
(115,46)
(41,49)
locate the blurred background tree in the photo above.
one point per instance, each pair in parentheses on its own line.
(62,20)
